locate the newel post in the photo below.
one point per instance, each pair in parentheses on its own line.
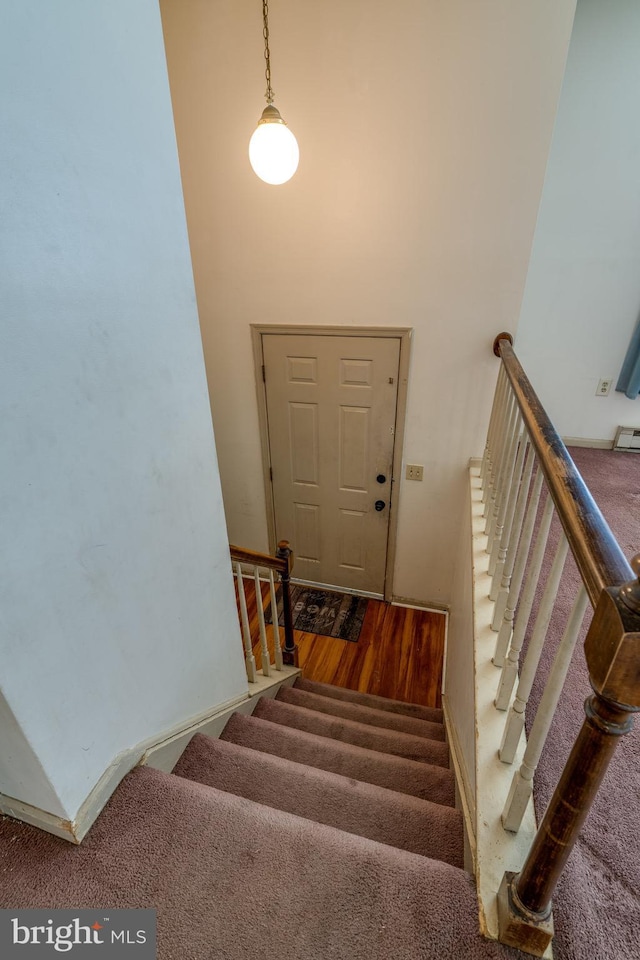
(612,650)
(496,342)
(290,651)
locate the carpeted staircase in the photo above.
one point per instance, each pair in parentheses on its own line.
(321,826)
(297,755)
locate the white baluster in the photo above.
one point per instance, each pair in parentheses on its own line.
(503,456)
(277,646)
(518,549)
(249,658)
(495,407)
(491,433)
(526,602)
(522,783)
(504,469)
(515,721)
(512,528)
(264,649)
(501,424)
(509,492)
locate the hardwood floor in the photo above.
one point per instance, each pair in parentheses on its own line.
(399,654)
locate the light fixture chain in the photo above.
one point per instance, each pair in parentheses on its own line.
(267,56)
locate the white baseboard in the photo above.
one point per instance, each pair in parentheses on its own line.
(74,830)
(587,442)
(332,586)
(19,810)
(430,606)
(161,751)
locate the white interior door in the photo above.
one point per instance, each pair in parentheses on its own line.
(331,411)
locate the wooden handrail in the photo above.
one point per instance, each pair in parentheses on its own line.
(600,560)
(255,559)
(612,650)
(282,563)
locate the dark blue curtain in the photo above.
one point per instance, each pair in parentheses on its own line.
(629,380)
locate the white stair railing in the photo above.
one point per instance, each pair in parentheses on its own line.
(522,783)
(525,605)
(249,659)
(264,649)
(505,492)
(519,480)
(512,511)
(515,563)
(527,478)
(516,718)
(507,428)
(494,445)
(261,568)
(506,447)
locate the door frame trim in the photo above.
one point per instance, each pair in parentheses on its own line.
(404,335)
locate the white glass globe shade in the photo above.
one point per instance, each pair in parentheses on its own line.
(273,152)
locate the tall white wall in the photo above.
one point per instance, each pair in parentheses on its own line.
(117,615)
(582,297)
(424,129)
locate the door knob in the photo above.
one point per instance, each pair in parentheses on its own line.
(381,478)
(380,505)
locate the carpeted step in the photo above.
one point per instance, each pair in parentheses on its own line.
(434,714)
(384,815)
(348,731)
(395,773)
(235,879)
(361,714)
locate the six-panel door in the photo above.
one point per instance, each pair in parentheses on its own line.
(331,409)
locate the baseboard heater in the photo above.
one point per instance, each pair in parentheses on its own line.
(627,439)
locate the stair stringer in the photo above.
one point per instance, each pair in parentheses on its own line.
(465,800)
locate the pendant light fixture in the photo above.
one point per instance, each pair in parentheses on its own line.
(273,149)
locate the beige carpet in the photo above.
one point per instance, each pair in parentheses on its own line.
(248,855)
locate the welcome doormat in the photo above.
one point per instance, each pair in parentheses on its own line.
(326,612)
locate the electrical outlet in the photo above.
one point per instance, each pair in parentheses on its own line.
(604,386)
(414,471)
